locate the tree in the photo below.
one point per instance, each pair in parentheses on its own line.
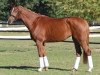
(88,9)
(3,9)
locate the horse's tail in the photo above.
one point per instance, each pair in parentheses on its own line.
(85,59)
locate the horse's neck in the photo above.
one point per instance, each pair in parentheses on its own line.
(29,18)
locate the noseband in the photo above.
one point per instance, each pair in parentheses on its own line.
(13,16)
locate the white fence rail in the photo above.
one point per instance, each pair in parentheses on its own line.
(25,28)
(28,37)
(16,37)
(94,27)
(14,29)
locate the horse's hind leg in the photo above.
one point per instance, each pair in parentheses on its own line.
(78,53)
(87,54)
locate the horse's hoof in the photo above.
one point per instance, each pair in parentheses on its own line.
(46,68)
(90,70)
(73,71)
(40,69)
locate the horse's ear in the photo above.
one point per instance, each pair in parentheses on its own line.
(13,3)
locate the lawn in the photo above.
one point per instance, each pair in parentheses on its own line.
(19,57)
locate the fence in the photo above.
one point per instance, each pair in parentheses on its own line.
(24,29)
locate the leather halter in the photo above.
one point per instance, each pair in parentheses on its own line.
(13,16)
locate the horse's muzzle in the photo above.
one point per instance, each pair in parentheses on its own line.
(11,19)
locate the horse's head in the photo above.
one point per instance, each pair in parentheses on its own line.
(14,14)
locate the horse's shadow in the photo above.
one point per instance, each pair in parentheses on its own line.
(17,67)
(30,67)
(89,42)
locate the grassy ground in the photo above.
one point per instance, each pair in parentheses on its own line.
(95,30)
(19,57)
(14,33)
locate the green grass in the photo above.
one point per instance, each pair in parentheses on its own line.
(14,33)
(96,30)
(20,57)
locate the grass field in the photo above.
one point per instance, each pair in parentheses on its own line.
(19,57)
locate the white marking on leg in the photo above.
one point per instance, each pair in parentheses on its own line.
(41,59)
(46,64)
(77,63)
(90,63)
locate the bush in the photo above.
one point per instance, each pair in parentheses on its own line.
(88,9)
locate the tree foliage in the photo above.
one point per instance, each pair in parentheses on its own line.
(88,9)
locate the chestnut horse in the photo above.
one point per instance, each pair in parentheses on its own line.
(45,29)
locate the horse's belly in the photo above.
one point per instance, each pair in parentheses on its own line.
(58,36)
(56,30)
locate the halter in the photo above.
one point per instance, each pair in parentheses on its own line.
(13,15)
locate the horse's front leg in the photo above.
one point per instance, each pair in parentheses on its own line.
(42,56)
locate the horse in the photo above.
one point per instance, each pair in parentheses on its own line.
(47,29)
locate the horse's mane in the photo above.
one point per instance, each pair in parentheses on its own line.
(30,11)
